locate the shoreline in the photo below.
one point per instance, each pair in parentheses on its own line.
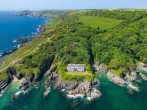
(41,28)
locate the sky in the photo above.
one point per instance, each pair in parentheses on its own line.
(70,4)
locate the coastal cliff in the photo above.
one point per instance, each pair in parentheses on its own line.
(45,13)
(81,88)
(70,39)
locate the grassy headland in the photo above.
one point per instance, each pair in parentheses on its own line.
(116,38)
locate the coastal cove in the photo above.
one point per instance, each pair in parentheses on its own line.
(33,100)
(78,62)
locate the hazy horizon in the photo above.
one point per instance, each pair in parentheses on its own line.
(16,5)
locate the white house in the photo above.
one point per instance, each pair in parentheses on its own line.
(75,67)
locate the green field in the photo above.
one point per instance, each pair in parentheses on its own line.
(101,22)
(75,76)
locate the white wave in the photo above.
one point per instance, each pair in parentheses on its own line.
(18,93)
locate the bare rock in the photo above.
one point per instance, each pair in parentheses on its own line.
(131,77)
(143,67)
(100,67)
(116,79)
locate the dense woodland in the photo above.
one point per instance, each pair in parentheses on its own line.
(69,40)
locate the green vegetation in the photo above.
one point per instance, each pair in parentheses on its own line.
(116,38)
(73,76)
(44,13)
(122,47)
(48,13)
(3,76)
(99,22)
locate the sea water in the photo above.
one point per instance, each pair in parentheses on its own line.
(14,27)
(113,98)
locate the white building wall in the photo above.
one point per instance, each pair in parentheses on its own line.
(75,67)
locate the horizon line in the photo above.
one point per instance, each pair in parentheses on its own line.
(77,9)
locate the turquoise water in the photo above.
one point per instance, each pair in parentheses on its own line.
(14,27)
(8,94)
(113,98)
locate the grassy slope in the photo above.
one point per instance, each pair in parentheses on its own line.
(101,22)
(3,77)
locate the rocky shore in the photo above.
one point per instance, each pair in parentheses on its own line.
(128,79)
(102,68)
(142,66)
(24,39)
(42,28)
(143,76)
(5,54)
(83,89)
(74,89)
(89,90)
(116,79)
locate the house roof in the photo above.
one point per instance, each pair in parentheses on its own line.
(75,65)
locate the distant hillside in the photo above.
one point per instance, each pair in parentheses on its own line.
(44,13)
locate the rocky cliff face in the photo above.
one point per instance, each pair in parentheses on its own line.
(74,89)
(42,69)
(100,67)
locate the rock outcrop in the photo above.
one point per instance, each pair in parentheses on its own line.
(143,67)
(116,79)
(131,76)
(143,76)
(74,89)
(100,67)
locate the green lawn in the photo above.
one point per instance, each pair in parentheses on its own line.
(75,76)
(101,22)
